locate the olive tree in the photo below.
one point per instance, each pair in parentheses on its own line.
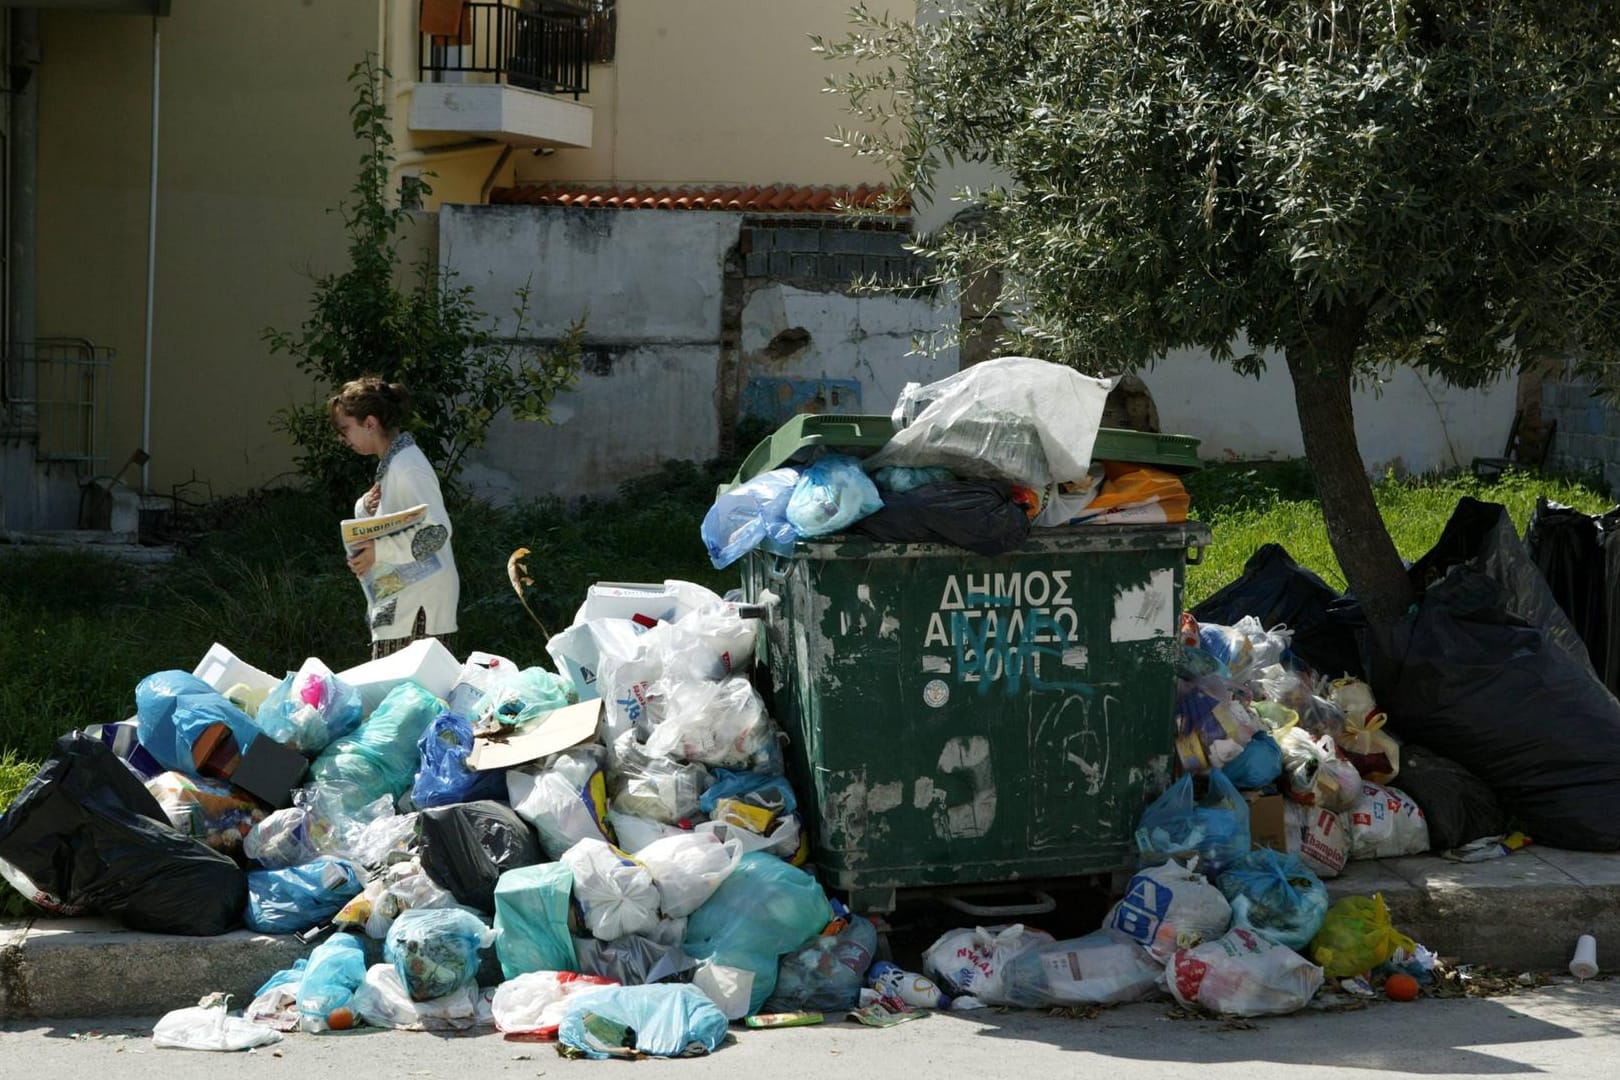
(1354,184)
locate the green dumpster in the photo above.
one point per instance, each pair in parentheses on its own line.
(958,719)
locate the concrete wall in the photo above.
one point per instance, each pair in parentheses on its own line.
(1415,424)
(715,91)
(1588,435)
(675,331)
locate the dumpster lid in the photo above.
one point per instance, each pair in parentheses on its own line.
(861,434)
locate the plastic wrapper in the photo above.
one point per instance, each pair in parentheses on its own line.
(976,962)
(532,907)
(380,758)
(1168,907)
(436,951)
(175,713)
(659,1021)
(1105,967)
(827,974)
(310,708)
(1180,824)
(208,810)
(84,835)
(1013,418)
(1319,836)
(750,514)
(336,969)
(444,777)
(831,495)
(615,893)
(466,848)
(1243,974)
(299,897)
(763,909)
(1386,824)
(714,723)
(565,801)
(1357,936)
(1277,895)
(688,868)
(532,1005)
(382,1001)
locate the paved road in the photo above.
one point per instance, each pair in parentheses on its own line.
(1564,1030)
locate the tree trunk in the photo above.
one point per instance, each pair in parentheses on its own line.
(1321,367)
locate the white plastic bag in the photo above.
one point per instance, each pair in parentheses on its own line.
(615,893)
(652,786)
(533,1003)
(1320,837)
(1314,772)
(1105,967)
(1014,418)
(714,641)
(716,723)
(783,840)
(976,961)
(203,1027)
(382,1001)
(1385,824)
(1243,974)
(564,801)
(481,671)
(688,868)
(635,832)
(1170,907)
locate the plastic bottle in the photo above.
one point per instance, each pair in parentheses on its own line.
(918,991)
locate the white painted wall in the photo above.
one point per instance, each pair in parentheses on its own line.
(1415,423)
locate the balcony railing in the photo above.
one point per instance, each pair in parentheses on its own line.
(543,46)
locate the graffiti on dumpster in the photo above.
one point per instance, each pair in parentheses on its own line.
(1007,630)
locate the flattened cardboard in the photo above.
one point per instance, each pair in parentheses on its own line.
(546,735)
(1268,824)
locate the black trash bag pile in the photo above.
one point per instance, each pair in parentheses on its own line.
(1579,556)
(1277,591)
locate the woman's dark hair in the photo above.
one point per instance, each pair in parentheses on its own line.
(369,395)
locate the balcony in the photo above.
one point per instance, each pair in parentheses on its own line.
(507,74)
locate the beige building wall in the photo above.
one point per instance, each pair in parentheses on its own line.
(255,147)
(716,92)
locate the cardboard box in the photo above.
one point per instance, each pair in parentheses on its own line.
(541,737)
(1268,823)
(427,663)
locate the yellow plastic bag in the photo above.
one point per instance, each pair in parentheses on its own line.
(1357,936)
(1372,750)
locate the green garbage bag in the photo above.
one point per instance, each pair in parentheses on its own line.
(380,758)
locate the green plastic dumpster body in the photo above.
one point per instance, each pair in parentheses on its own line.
(957,719)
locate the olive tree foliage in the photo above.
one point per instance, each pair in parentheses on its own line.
(1356,184)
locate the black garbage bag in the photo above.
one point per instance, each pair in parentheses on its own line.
(978,515)
(1458,805)
(1278,591)
(88,836)
(466,847)
(1509,704)
(1566,546)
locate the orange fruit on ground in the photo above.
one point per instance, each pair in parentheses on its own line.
(1401,987)
(340,1019)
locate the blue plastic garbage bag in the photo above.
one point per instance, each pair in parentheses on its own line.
(1179,824)
(663,1020)
(1258,765)
(444,777)
(828,973)
(832,495)
(765,908)
(903,478)
(299,897)
(531,920)
(735,784)
(1277,895)
(749,515)
(435,950)
(309,709)
(172,711)
(285,977)
(336,969)
(380,758)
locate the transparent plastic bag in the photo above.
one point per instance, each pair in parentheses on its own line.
(750,514)
(337,815)
(382,1001)
(436,951)
(715,723)
(1357,936)
(832,495)
(533,1004)
(336,969)
(688,869)
(652,786)
(212,811)
(281,840)
(522,696)
(565,801)
(713,642)
(615,893)
(827,974)
(976,962)
(1180,824)
(1105,967)
(1315,775)
(1277,895)
(1243,974)
(1168,907)
(310,708)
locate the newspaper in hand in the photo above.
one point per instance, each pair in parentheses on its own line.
(385,579)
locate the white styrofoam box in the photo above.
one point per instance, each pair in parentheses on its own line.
(427,663)
(223,669)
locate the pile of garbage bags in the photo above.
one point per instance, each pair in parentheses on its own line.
(979,459)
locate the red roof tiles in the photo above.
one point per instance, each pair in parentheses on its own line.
(773,199)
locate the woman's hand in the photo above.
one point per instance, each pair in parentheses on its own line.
(371,499)
(362,557)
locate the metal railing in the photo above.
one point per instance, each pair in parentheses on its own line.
(544,46)
(53,391)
